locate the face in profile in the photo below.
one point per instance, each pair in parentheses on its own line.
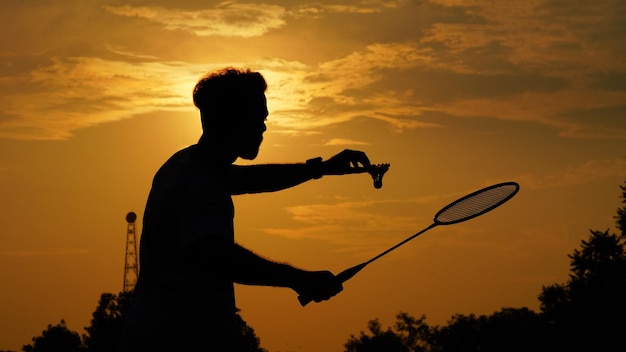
(249,131)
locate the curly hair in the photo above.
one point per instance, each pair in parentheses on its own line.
(222,90)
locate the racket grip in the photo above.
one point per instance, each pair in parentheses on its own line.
(342,276)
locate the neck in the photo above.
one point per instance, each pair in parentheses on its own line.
(216,150)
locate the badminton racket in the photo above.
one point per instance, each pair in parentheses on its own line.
(462,209)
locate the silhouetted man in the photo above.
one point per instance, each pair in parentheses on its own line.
(184,298)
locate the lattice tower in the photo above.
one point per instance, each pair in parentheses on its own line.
(131,264)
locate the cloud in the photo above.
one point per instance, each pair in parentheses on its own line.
(341,141)
(355,227)
(361,226)
(229,19)
(559,38)
(333,91)
(556,109)
(532,61)
(364,7)
(523,62)
(577,43)
(72,93)
(122,51)
(584,173)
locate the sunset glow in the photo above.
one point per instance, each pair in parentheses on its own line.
(455,95)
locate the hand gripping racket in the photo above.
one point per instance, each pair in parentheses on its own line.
(462,209)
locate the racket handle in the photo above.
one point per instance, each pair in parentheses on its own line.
(342,276)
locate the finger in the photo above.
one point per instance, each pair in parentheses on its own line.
(356,170)
(356,157)
(362,158)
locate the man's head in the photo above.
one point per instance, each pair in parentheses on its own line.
(233,109)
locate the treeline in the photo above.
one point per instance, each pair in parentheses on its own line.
(587,313)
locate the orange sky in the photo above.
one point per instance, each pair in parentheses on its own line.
(456,95)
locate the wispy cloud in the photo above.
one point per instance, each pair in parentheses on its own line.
(589,171)
(363,7)
(72,93)
(339,90)
(341,141)
(361,227)
(556,109)
(229,19)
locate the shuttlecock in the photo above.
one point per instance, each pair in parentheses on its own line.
(377,171)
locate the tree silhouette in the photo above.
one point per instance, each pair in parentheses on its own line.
(513,330)
(408,335)
(107,321)
(621,213)
(379,340)
(589,311)
(248,341)
(462,334)
(509,329)
(56,338)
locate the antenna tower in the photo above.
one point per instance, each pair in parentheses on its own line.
(131,265)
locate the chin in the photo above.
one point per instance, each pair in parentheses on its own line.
(252,152)
(250,155)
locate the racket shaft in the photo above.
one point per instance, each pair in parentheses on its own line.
(400,244)
(350,272)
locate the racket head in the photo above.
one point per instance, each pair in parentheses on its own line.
(476,203)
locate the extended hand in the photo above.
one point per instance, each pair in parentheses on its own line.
(346,162)
(319,285)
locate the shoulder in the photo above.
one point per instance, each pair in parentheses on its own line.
(178,167)
(188,168)
(182,159)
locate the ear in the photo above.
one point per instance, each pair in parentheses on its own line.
(211,121)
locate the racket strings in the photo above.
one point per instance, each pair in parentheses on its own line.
(475,204)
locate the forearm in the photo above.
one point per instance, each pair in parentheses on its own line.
(240,265)
(271,177)
(248,268)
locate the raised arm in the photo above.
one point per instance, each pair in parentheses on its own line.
(275,177)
